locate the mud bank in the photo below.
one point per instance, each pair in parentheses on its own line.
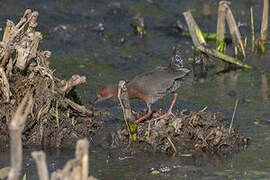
(187,133)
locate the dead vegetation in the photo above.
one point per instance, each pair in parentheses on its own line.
(187,133)
(74,169)
(55,118)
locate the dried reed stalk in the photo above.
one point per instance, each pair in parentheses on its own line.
(252,30)
(125,105)
(221,25)
(264,25)
(40,159)
(75,169)
(235,33)
(16,127)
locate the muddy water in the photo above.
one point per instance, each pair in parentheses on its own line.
(72,32)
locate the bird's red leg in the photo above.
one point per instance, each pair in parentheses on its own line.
(145,116)
(169,112)
(172,104)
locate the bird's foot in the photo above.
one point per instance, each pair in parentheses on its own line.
(164,116)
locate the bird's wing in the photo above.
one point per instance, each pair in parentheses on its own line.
(158,82)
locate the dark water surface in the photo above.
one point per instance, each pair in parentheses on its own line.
(68,28)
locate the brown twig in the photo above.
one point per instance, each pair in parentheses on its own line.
(173,146)
(203,109)
(74,81)
(231,124)
(78,107)
(148,130)
(5,86)
(8,29)
(25,54)
(12,32)
(23,21)
(124,102)
(32,22)
(34,46)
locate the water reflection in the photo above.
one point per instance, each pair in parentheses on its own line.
(265,89)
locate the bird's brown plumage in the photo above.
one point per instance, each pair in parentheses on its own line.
(152,85)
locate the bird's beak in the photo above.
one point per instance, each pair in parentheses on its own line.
(97,100)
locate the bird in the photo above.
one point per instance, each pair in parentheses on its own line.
(152,85)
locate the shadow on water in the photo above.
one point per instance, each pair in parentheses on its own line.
(95,39)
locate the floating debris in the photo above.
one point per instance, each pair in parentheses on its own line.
(139,25)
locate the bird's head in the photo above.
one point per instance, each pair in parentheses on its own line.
(106,93)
